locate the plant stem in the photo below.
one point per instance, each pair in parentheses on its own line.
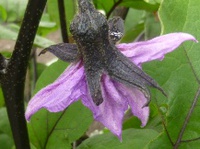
(113,8)
(121,11)
(63,23)
(178,141)
(13,80)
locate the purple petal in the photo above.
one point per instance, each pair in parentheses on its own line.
(136,101)
(60,94)
(140,52)
(110,113)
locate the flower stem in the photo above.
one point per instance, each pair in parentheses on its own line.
(13,80)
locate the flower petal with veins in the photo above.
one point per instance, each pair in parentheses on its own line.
(111,111)
(154,49)
(60,94)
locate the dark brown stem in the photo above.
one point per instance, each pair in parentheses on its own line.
(63,23)
(113,8)
(13,81)
(121,11)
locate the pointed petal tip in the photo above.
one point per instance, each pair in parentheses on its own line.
(187,36)
(27,118)
(28,114)
(143,125)
(118,134)
(120,138)
(156,48)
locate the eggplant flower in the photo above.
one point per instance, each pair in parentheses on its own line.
(107,78)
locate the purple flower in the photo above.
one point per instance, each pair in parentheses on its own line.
(117,97)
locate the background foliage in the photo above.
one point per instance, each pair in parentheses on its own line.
(169,125)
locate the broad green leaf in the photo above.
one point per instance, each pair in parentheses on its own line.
(4,123)
(131,138)
(136,4)
(1,98)
(178,73)
(141,5)
(45,21)
(132,122)
(152,26)
(133,33)
(130,21)
(55,70)
(154,122)
(42,42)
(6,33)
(46,26)
(57,130)
(5,141)
(133,25)
(103,5)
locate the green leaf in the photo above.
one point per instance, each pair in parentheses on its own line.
(154,122)
(134,26)
(132,138)
(57,130)
(152,26)
(132,122)
(42,42)
(4,123)
(6,33)
(133,33)
(46,26)
(46,22)
(55,70)
(179,73)
(141,5)
(6,142)
(136,4)
(103,5)
(1,98)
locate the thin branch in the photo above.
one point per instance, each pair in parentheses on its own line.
(163,122)
(168,135)
(63,23)
(140,37)
(113,8)
(53,128)
(190,140)
(178,141)
(121,11)
(196,77)
(13,81)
